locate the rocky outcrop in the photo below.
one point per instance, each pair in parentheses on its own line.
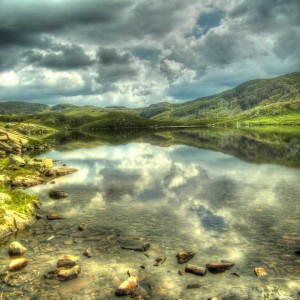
(27,181)
(59,171)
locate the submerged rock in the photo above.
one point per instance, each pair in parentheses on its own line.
(260,272)
(17,264)
(56,194)
(64,274)
(127,287)
(184,256)
(54,216)
(15,248)
(66,262)
(195,270)
(219,267)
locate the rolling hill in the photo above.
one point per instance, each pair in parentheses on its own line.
(258,102)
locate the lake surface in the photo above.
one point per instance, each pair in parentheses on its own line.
(174,196)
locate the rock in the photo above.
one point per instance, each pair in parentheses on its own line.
(59,171)
(135,245)
(56,194)
(260,272)
(17,264)
(193,286)
(15,248)
(181,273)
(219,267)
(297,252)
(195,269)
(184,256)
(17,160)
(160,260)
(88,252)
(54,216)
(64,274)
(82,226)
(127,287)
(26,181)
(65,262)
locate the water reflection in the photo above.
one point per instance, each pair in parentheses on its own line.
(175,197)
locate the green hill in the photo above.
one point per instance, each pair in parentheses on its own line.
(18,107)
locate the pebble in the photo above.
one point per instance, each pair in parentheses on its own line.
(82,226)
(193,286)
(88,252)
(54,216)
(127,287)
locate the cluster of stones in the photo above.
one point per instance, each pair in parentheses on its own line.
(214,267)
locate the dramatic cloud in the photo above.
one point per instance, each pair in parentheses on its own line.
(138,52)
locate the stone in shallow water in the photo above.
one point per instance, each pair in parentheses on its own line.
(184,256)
(64,274)
(15,248)
(195,270)
(260,272)
(88,252)
(135,245)
(56,194)
(193,286)
(127,287)
(219,267)
(17,264)
(65,262)
(160,260)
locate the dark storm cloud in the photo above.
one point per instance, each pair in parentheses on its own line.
(163,50)
(70,57)
(109,56)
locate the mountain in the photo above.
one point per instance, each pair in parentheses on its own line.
(18,107)
(257,102)
(252,99)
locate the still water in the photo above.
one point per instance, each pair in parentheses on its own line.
(174,197)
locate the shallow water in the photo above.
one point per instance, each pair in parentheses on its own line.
(175,197)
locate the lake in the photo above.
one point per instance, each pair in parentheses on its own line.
(225,195)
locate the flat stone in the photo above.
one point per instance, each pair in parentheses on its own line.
(219,267)
(15,248)
(17,264)
(195,270)
(60,171)
(184,256)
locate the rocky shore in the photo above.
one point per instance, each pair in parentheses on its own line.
(19,171)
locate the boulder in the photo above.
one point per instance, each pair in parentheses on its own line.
(15,248)
(56,194)
(17,264)
(184,256)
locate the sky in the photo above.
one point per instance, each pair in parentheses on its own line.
(138,52)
